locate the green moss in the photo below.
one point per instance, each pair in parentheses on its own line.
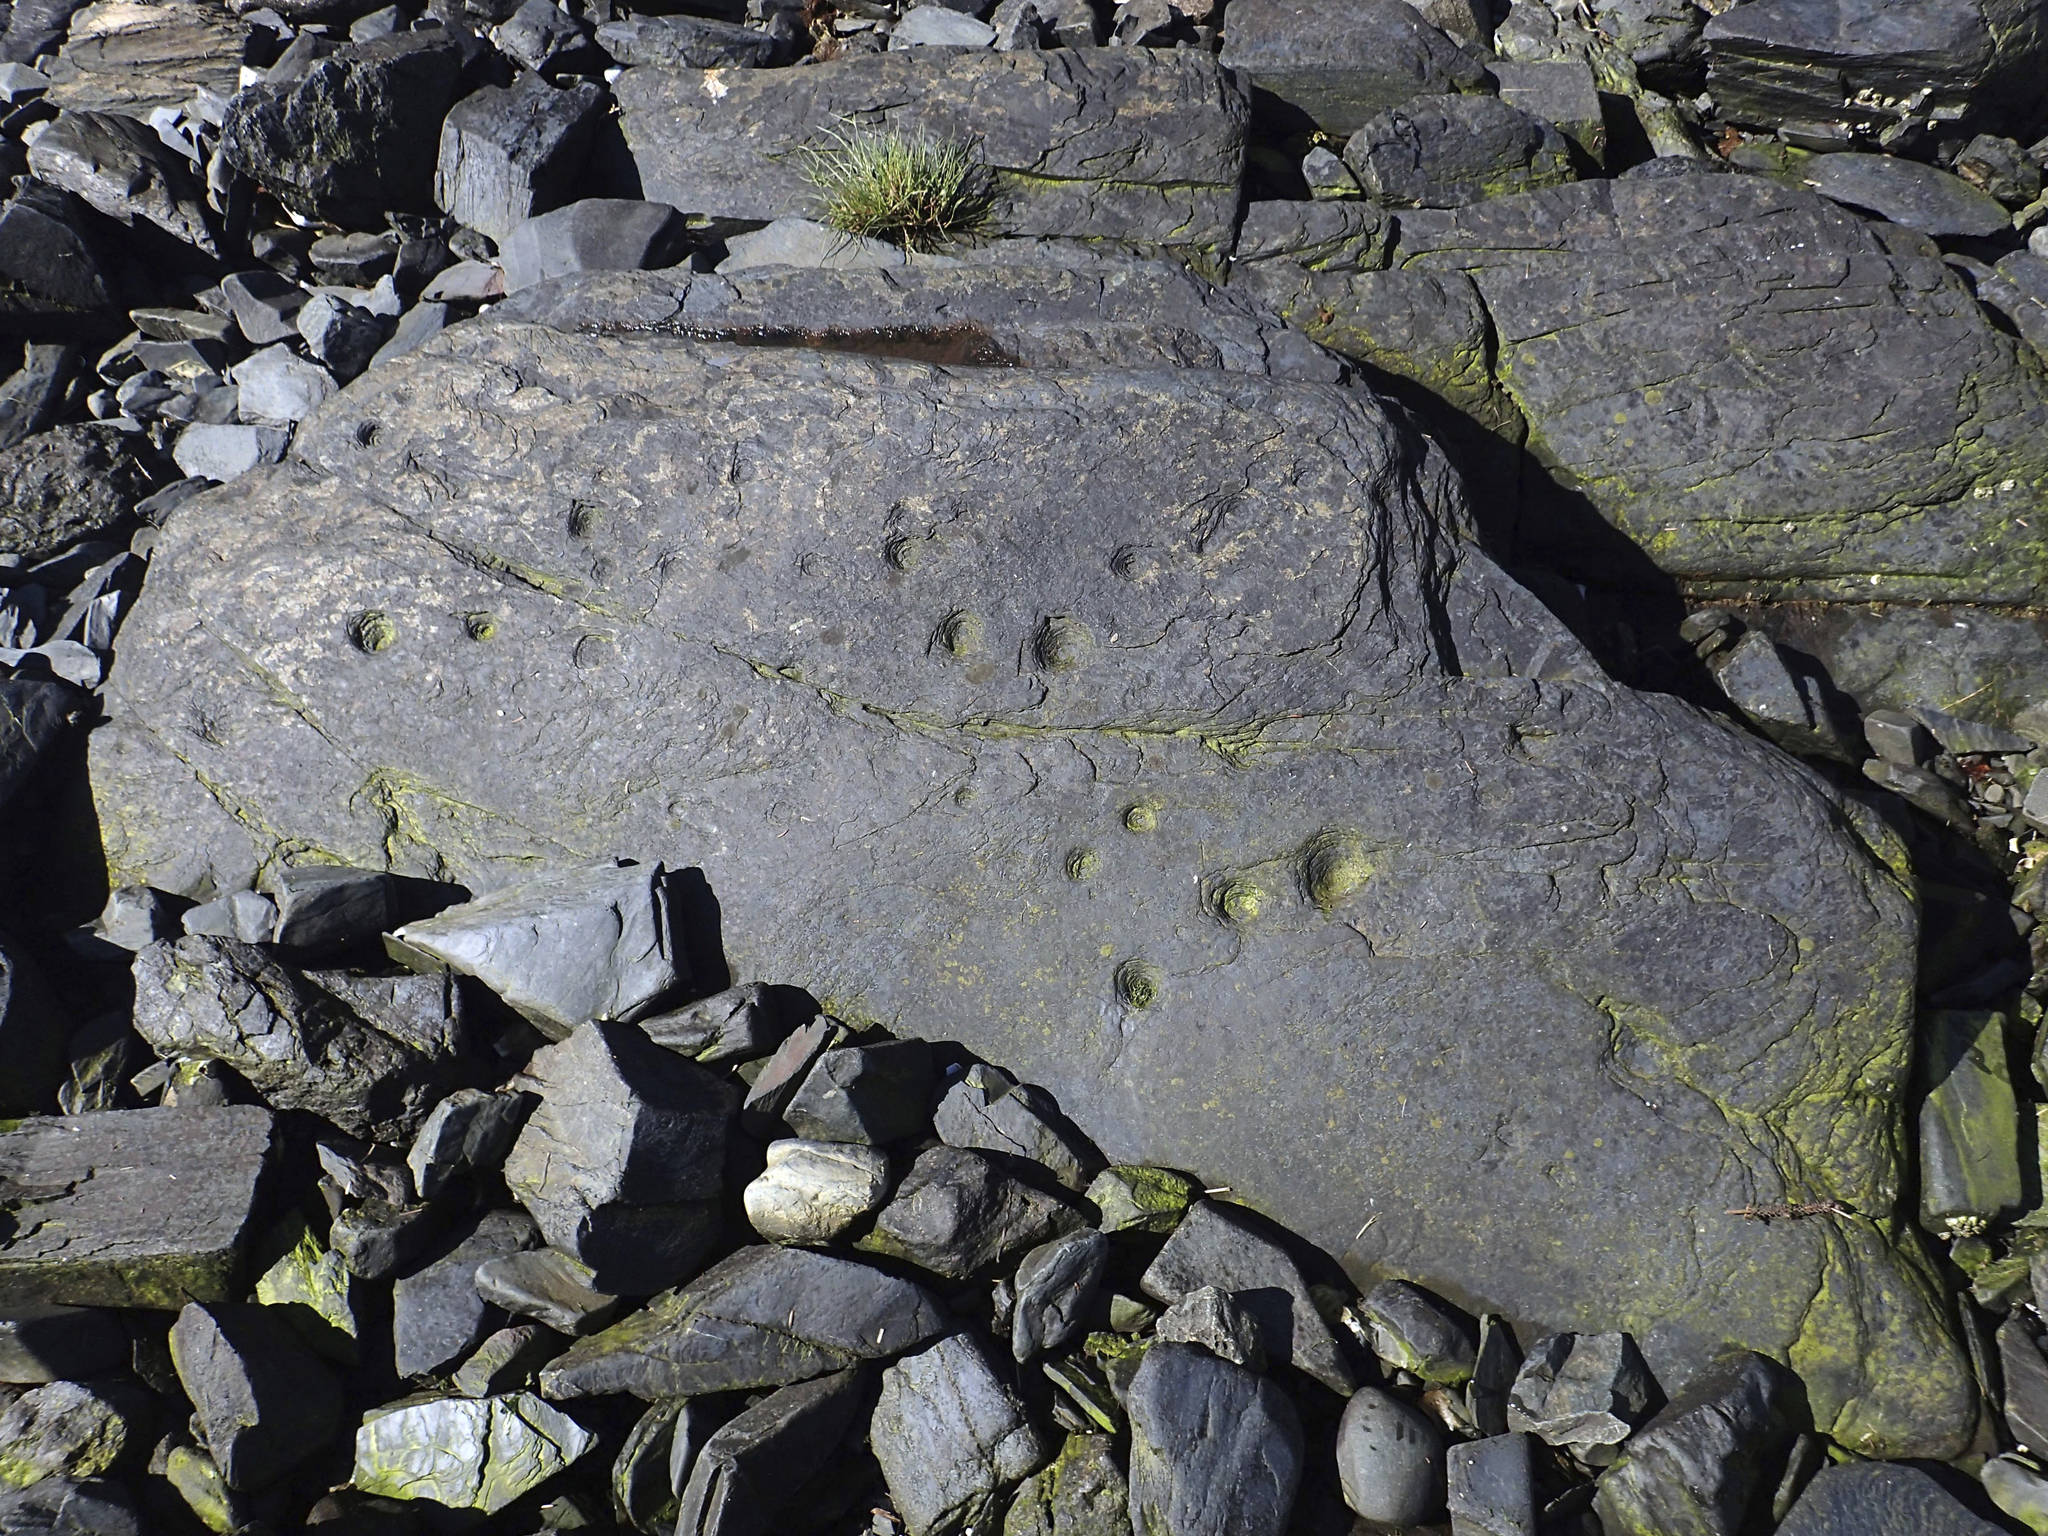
(372,631)
(1333,865)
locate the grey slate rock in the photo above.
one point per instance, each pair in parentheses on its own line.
(1444,151)
(63,1508)
(688,42)
(1874,1498)
(957,1214)
(950,1435)
(36,27)
(438,1314)
(1215,1449)
(1046,123)
(264,1401)
(1224,1246)
(67,1430)
(467,1133)
(1083,1493)
(45,1342)
(1583,1393)
(1492,1487)
(265,305)
(120,167)
(2024,1373)
(793,242)
(1340,64)
(466,1453)
(1970,1164)
(1906,192)
(223,452)
(33,395)
(784,1072)
(1494,1370)
(589,943)
(604,234)
(623,1159)
(352,138)
(990,1111)
(342,335)
(506,1361)
(298,1046)
(57,282)
(427,1013)
(814,1191)
(1390,1460)
(549,1287)
(278,388)
(2017,1488)
(737,1024)
(358,259)
(325,910)
(510,152)
(1416,1332)
(540,35)
(753,1467)
(1972,737)
(87,1193)
(935,25)
(35,716)
(380,1237)
(415,327)
(869,1094)
(33,1026)
(766,1317)
(1056,1284)
(1133,1198)
(1700,1464)
(69,483)
(1217,1321)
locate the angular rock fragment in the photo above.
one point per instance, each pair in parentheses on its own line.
(869,1094)
(1217,1321)
(989,1110)
(1056,1282)
(510,152)
(277,388)
(623,1159)
(764,1317)
(120,167)
(41,1343)
(468,1132)
(506,1361)
(65,1430)
(325,910)
(550,1288)
(1583,1393)
(466,1453)
(84,1198)
(1969,1123)
(1413,1331)
(1906,192)
(298,1046)
(342,335)
(1137,1199)
(227,450)
(1127,145)
(588,943)
(1215,1449)
(50,256)
(814,1191)
(264,304)
(734,1025)
(1222,1245)
(310,1276)
(1390,1460)
(1492,1487)
(378,1238)
(1701,1463)
(58,1504)
(593,234)
(753,1467)
(687,42)
(784,1072)
(438,1314)
(246,915)
(949,1436)
(1337,65)
(263,1399)
(956,1214)
(1083,1493)
(1444,151)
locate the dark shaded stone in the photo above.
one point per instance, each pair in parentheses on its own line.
(548,1287)
(70,483)
(40,1343)
(1415,1332)
(1217,1321)
(990,1111)
(870,1094)
(956,1214)
(688,42)
(34,394)
(1215,1449)
(1083,1493)
(33,1024)
(593,234)
(765,1317)
(734,1025)
(1443,151)
(52,278)
(1703,1461)
(1970,1171)
(1906,192)
(263,1399)
(1870,1498)
(2024,1371)
(1492,1487)
(122,168)
(1056,1283)
(506,1361)
(467,1133)
(784,1072)
(431,1013)
(264,304)
(298,1045)
(950,1436)
(378,1238)
(510,152)
(1339,64)
(437,1313)
(752,1469)
(61,1507)
(323,910)
(84,1200)
(623,1159)
(342,335)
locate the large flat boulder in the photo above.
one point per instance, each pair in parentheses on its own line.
(1152,732)
(1128,144)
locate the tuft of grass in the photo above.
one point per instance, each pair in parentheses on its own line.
(914,191)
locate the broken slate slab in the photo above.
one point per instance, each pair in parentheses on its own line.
(1444,151)
(510,152)
(1583,1393)
(1492,1487)
(737,1024)
(991,1111)
(1334,65)
(1701,1462)
(85,1197)
(467,1453)
(120,167)
(1906,192)
(1415,1332)
(583,944)
(324,910)
(593,234)
(950,1435)
(687,42)
(1219,1322)
(549,1287)
(438,1313)
(1215,1449)
(278,388)
(869,1094)
(263,1399)
(467,1133)
(1055,1284)
(752,1468)
(1875,1498)
(765,1317)
(957,1213)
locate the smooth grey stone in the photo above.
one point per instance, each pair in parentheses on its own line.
(327,909)
(956,1213)
(1390,1459)
(415,328)
(467,1133)
(510,152)
(67,1430)
(506,1361)
(437,1313)
(1056,1284)
(754,1467)
(1444,151)
(64,1508)
(265,306)
(72,482)
(355,136)
(264,1401)
(1083,1493)
(1416,1332)
(593,234)
(91,1228)
(359,259)
(466,282)
(1215,1449)
(870,1094)
(1219,1322)
(1582,1392)
(342,335)
(990,1111)
(1906,192)
(737,1024)
(950,1435)
(1700,1463)
(939,26)
(550,1287)
(298,1045)
(791,241)
(1224,1246)
(784,1072)
(466,1453)
(623,1160)
(812,1192)
(1339,64)
(687,42)
(1875,1498)
(1563,93)
(1172,125)
(378,1238)
(120,167)
(2017,1489)
(222,452)
(589,943)
(765,1317)
(278,388)
(45,1342)
(378,23)
(1492,1487)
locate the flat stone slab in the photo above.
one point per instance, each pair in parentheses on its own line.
(1085,143)
(83,1203)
